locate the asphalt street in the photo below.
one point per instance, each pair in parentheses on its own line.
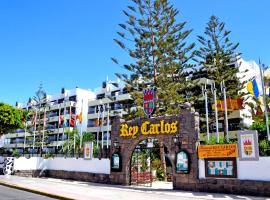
(7,193)
(94,191)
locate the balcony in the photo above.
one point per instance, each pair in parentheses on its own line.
(122,97)
(56,105)
(98,129)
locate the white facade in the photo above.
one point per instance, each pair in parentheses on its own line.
(111,100)
(66,104)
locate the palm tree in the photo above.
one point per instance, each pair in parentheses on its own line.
(68,146)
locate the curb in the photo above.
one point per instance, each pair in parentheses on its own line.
(15,186)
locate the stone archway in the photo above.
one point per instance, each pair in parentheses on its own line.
(142,171)
(187,131)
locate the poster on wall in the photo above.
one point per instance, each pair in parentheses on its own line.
(248,145)
(220,167)
(88,150)
(116,162)
(182,162)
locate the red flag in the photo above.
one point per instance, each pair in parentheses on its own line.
(72,119)
(60,120)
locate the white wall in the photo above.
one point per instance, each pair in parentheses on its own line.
(69,164)
(254,170)
(247,170)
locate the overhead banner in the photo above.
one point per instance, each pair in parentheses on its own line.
(248,145)
(232,104)
(218,151)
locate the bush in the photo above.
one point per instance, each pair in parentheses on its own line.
(49,155)
(264,148)
(222,140)
(160,174)
(16,154)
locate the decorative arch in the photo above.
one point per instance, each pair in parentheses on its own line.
(187,132)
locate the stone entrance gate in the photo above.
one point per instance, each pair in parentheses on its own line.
(187,132)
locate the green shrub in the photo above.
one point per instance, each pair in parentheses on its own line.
(160,174)
(264,148)
(49,155)
(16,154)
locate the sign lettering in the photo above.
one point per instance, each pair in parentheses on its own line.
(218,151)
(148,128)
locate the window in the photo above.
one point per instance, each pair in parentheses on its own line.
(60,100)
(125,91)
(91,123)
(115,93)
(101,96)
(91,109)
(73,98)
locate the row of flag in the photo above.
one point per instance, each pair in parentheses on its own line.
(61,119)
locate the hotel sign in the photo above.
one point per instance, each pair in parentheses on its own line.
(218,151)
(148,128)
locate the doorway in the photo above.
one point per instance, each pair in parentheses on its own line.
(147,168)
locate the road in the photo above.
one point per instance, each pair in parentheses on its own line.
(7,193)
(93,191)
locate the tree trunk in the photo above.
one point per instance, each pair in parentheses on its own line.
(162,157)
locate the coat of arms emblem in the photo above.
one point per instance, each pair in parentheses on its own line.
(149,98)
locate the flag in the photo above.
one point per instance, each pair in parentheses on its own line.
(60,119)
(44,119)
(72,119)
(79,117)
(25,118)
(254,88)
(34,120)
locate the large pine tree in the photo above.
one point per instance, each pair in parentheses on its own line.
(218,58)
(156,43)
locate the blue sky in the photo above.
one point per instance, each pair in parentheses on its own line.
(67,43)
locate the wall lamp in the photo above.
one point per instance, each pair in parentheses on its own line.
(116,144)
(176,141)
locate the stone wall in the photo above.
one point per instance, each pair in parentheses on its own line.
(230,186)
(79,176)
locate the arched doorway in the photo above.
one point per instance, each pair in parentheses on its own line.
(146,166)
(127,135)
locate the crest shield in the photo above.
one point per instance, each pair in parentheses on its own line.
(149,100)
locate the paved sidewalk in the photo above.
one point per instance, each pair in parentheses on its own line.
(66,189)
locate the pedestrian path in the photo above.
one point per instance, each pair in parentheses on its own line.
(67,189)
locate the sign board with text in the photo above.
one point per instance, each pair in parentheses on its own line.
(218,151)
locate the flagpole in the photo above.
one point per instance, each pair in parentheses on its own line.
(44,123)
(35,127)
(102,132)
(59,121)
(108,118)
(204,90)
(64,121)
(98,126)
(223,88)
(81,124)
(265,104)
(74,135)
(214,91)
(70,116)
(25,128)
